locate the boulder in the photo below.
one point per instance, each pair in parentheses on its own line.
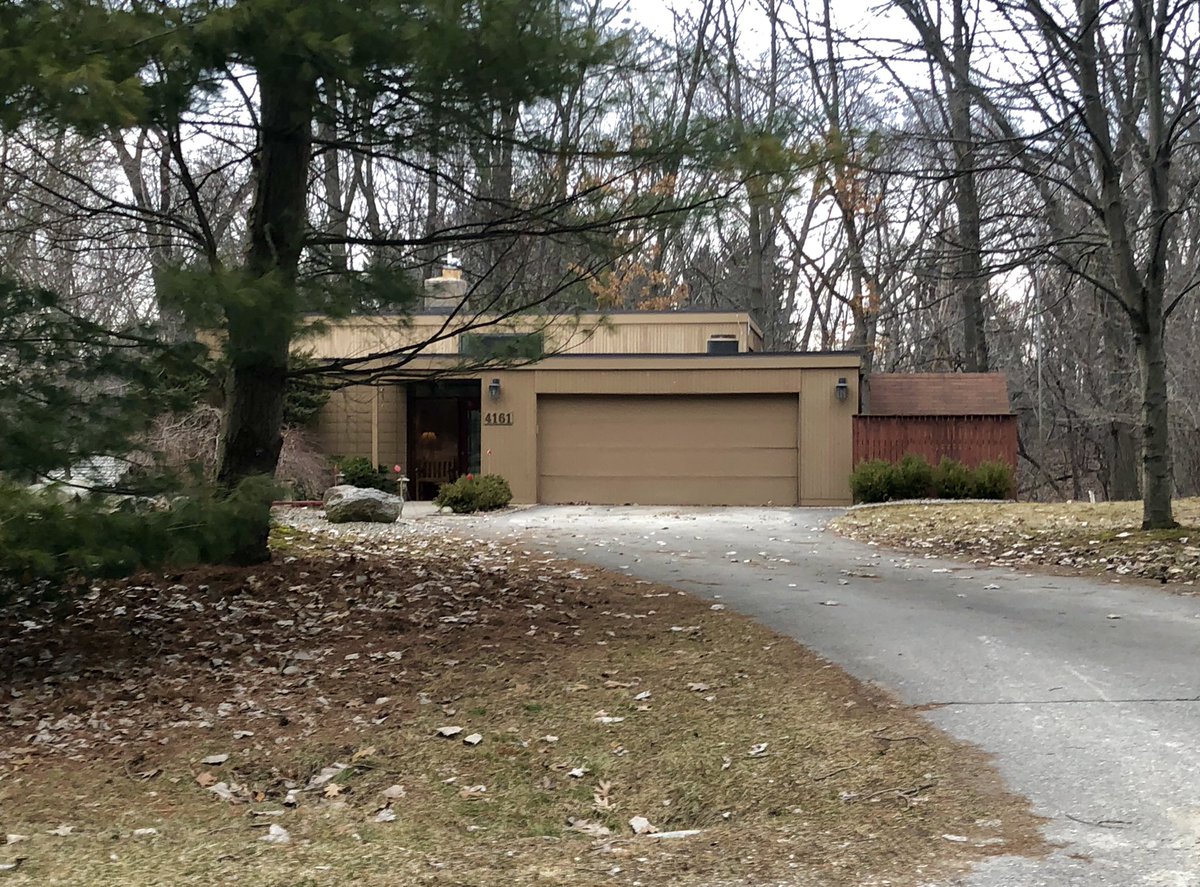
(345,503)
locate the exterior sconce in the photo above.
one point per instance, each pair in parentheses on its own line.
(494,389)
(841,390)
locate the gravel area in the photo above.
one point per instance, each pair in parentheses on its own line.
(410,525)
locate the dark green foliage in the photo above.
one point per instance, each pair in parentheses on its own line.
(47,536)
(71,389)
(953,480)
(993,480)
(357,471)
(306,394)
(469,494)
(873,481)
(913,478)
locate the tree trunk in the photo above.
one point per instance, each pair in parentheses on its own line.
(1156,438)
(261,321)
(971,282)
(1120,447)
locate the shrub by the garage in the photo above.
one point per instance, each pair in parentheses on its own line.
(878,480)
(469,494)
(953,480)
(993,480)
(913,478)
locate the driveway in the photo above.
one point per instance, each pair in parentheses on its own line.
(1087,692)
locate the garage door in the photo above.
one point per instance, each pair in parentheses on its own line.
(667,450)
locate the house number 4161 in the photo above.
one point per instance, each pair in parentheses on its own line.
(497,418)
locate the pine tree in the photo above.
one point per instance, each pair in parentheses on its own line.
(423,66)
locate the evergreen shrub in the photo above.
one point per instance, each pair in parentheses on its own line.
(469,494)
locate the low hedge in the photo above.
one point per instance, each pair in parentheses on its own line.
(912,477)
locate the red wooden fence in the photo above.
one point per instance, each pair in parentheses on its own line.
(969,439)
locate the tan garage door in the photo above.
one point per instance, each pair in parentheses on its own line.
(667,450)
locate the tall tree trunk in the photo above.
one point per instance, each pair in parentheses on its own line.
(1121,455)
(337,201)
(971,282)
(1156,439)
(260,324)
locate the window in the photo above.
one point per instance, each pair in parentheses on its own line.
(502,346)
(722,345)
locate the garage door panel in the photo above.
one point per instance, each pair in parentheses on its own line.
(668,450)
(651,491)
(698,421)
(630,461)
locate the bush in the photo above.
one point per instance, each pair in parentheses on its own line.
(993,480)
(913,478)
(48,537)
(469,494)
(357,471)
(873,481)
(953,480)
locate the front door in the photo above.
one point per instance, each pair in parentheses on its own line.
(443,434)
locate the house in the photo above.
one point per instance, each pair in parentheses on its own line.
(652,408)
(962,416)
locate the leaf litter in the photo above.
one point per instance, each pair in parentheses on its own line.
(335,667)
(1070,537)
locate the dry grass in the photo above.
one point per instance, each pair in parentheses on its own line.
(113,718)
(1104,538)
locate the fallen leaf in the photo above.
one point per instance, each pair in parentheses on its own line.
(641,826)
(588,827)
(276,834)
(394,792)
(682,833)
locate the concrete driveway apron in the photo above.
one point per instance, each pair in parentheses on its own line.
(1087,692)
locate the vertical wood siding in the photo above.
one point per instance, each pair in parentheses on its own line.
(969,439)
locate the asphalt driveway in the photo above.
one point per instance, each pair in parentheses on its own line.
(1087,692)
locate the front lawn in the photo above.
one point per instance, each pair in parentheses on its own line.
(280,726)
(1100,539)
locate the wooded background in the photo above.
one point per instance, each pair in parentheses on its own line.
(944,184)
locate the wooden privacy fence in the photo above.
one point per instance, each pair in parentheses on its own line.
(969,439)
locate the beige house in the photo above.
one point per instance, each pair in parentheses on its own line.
(651,408)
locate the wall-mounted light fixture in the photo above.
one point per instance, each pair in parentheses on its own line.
(841,390)
(494,389)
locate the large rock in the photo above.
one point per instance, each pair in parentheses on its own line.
(345,503)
